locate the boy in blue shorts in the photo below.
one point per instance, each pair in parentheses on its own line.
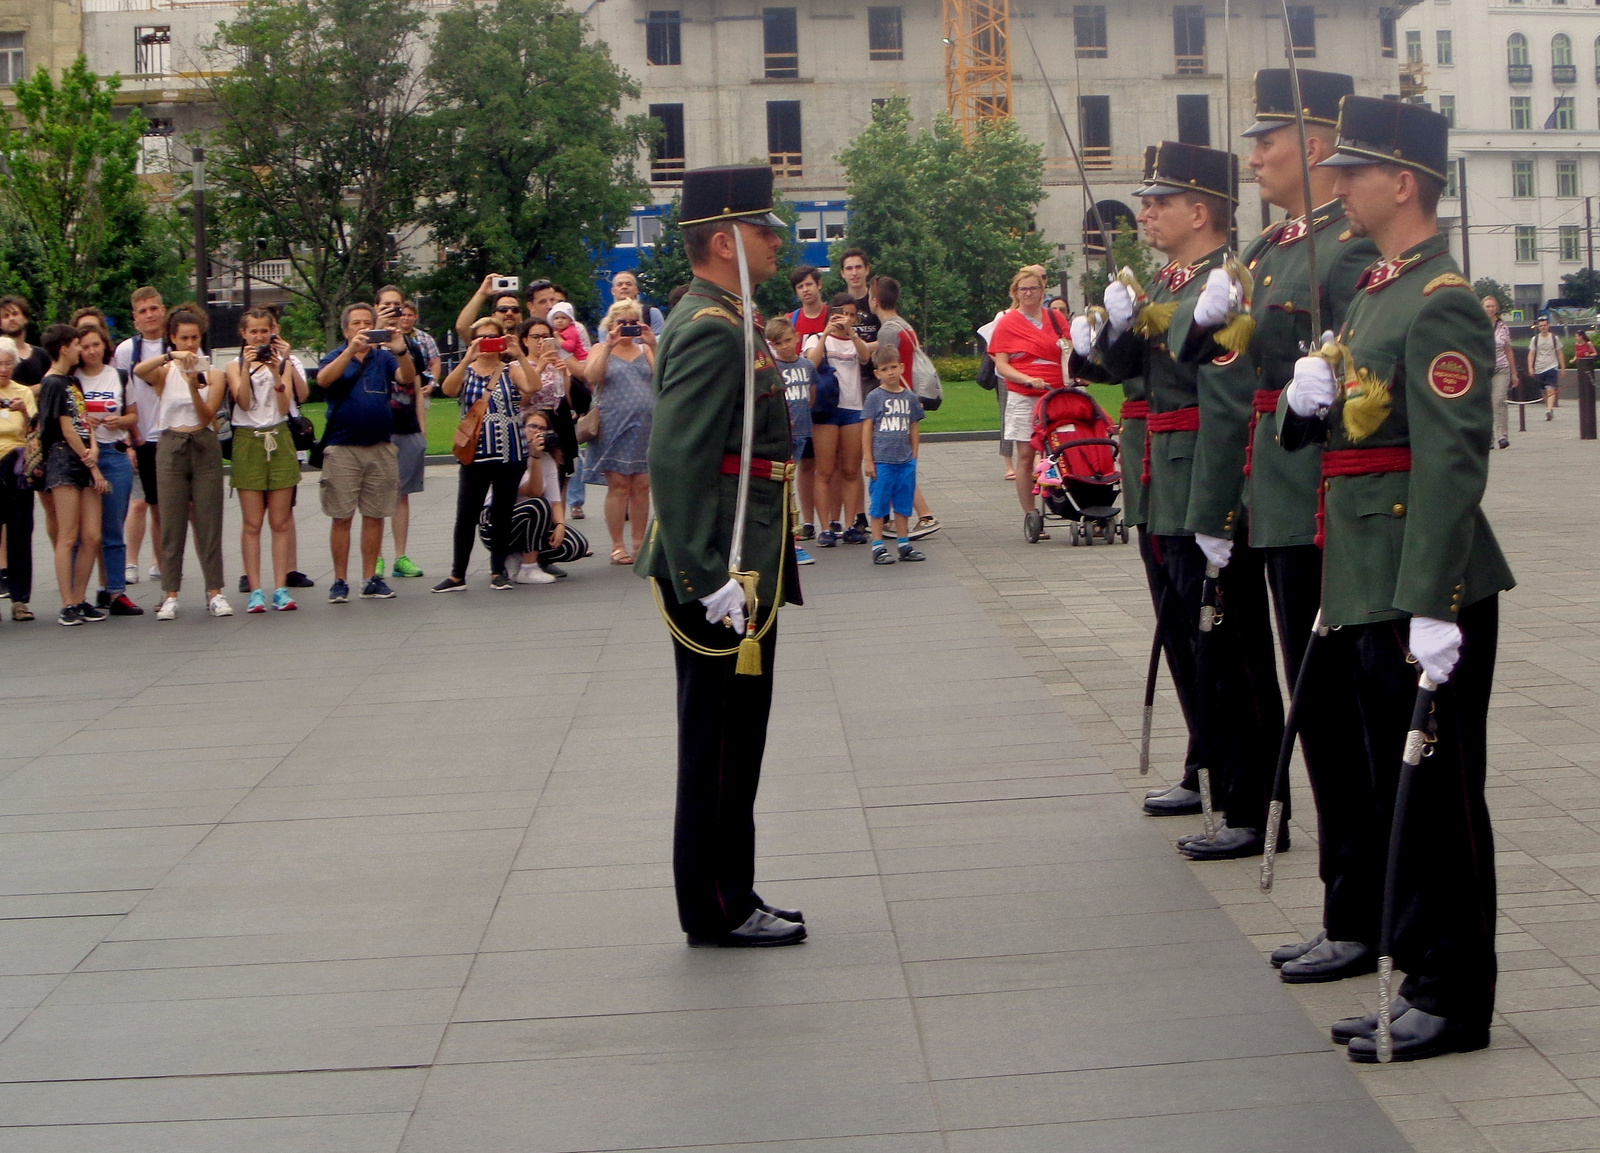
(892,416)
(800,391)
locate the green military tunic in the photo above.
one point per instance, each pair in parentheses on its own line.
(1414,542)
(699,419)
(1131,458)
(1282,491)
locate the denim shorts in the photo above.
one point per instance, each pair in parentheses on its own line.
(841,417)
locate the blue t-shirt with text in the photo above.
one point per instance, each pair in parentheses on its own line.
(798,377)
(892,415)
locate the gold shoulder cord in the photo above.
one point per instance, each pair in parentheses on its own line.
(701,650)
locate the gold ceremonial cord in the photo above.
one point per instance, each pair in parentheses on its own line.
(701,650)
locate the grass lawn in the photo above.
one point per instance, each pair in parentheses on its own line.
(443,416)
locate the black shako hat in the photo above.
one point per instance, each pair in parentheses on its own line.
(733,192)
(1320,93)
(1373,131)
(1189,168)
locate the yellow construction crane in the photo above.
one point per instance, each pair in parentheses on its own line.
(977,61)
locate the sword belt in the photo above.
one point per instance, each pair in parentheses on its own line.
(1182,420)
(1355,462)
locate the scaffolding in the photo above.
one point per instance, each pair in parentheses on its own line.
(977,61)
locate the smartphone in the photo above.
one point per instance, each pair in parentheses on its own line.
(551,344)
(630,329)
(492,344)
(507,284)
(379,336)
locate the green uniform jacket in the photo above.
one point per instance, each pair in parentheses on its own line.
(1413,542)
(699,418)
(1196,478)
(1131,460)
(1282,491)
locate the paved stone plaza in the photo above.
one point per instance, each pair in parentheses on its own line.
(395,875)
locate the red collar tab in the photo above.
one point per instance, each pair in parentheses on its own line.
(1386,272)
(1179,277)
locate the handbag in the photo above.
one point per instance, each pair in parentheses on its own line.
(920,373)
(301,431)
(32,474)
(466,442)
(588,428)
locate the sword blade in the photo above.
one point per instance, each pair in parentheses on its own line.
(748,323)
(1280,778)
(1150,686)
(1305,176)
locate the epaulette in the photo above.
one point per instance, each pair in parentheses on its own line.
(1347,234)
(1448,280)
(718,312)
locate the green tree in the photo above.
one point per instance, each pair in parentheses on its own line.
(77,225)
(320,144)
(535,166)
(1484,286)
(1582,286)
(1127,251)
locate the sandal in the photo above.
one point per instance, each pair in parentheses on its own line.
(619,555)
(21,612)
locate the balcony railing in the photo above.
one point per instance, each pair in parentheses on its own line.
(1191,65)
(1564,73)
(1519,73)
(667,170)
(782,66)
(787,164)
(1096,156)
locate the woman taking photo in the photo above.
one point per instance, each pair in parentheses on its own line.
(17,410)
(188,460)
(72,475)
(113,416)
(1026,347)
(500,376)
(620,369)
(539,529)
(263,382)
(836,434)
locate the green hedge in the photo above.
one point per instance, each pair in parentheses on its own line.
(956,367)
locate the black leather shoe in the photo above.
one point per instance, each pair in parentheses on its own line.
(1343,1030)
(1229,845)
(1285,953)
(1330,961)
(299,580)
(1174,802)
(1418,1036)
(760,930)
(794,915)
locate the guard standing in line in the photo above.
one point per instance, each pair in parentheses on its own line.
(1412,572)
(696,446)
(1194,461)
(1282,489)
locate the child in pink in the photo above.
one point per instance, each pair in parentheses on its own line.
(565,322)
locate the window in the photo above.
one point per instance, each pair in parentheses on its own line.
(883,34)
(1527,242)
(1569,236)
(1189,39)
(649,229)
(1094,130)
(1194,120)
(150,46)
(783,135)
(1447,109)
(1518,68)
(667,153)
(1452,179)
(1527,299)
(1564,116)
(1522,179)
(155,145)
(1386,34)
(1522,112)
(1597,58)
(1413,47)
(1562,69)
(663,43)
(12,65)
(1567,178)
(1444,49)
(1089,31)
(781,43)
(1303,32)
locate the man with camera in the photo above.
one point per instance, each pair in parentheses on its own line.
(506,305)
(360,465)
(409,401)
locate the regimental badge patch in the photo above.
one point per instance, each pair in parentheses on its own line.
(719,313)
(1225,360)
(1448,280)
(1450,375)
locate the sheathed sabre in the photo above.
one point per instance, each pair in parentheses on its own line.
(1210,618)
(749,661)
(1305,176)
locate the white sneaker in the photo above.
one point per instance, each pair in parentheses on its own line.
(155,572)
(130,574)
(168,610)
(218,606)
(532,574)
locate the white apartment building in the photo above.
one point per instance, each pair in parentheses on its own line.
(1520,80)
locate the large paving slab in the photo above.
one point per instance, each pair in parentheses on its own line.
(396,876)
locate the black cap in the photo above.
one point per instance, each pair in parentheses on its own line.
(1189,168)
(1373,131)
(1320,93)
(734,192)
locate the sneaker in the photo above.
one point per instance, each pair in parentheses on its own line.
(299,580)
(102,599)
(1548,415)
(909,553)
(90,614)
(855,534)
(827,538)
(376,590)
(801,556)
(404,566)
(554,569)
(258,602)
(577,512)
(377,570)
(500,583)
(121,606)
(532,574)
(69,616)
(808,531)
(218,606)
(154,573)
(5,584)
(927,526)
(168,610)
(244,585)
(881,554)
(450,584)
(130,574)
(283,602)
(338,593)
(1505,442)
(861,522)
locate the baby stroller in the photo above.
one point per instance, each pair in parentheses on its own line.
(1076,476)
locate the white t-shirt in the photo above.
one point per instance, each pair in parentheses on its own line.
(177,405)
(263,411)
(103,396)
(1544,352)
(846,365)
(131,352)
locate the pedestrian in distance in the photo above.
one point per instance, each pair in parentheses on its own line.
(1547,358)
(1507,371)
(891,418)
(800,392)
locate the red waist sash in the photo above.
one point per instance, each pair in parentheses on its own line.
(1183,420)
(1356,462)
(1266,401)
(760,468)
(1135,410)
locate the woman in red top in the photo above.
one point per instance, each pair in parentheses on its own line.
(1026,347)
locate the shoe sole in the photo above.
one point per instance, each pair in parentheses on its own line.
(377,596)
(505,588)
(254,609)
(288,608)
(460,588)
(1339,974)
(68,624)
(339,600)
(723,943)
(1470,1044)
(922,534)
(1180,811)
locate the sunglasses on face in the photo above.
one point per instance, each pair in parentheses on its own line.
(508,308)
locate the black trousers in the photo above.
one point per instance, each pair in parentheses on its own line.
(1238,704)
(1179,654)
(1445,902)
(476,481)
(722,735)
(1349,839)
(16,513)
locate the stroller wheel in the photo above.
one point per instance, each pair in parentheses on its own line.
(1122,531)
(1073,533)
(1032,526)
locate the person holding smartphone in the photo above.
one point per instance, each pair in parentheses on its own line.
(410,435)
(263,383)
(72,474)
(836,435)
(539,529)
(114,418)
(620,370)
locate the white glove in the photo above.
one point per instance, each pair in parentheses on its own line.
(1218,551)
(1216,299)
(1119,307)
(1313,386)
(1082,336)
(727,601)
(1437,646)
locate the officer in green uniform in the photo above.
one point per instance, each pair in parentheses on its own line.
(1282,486)
(1194,464)
(695,450)
(1412,571)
